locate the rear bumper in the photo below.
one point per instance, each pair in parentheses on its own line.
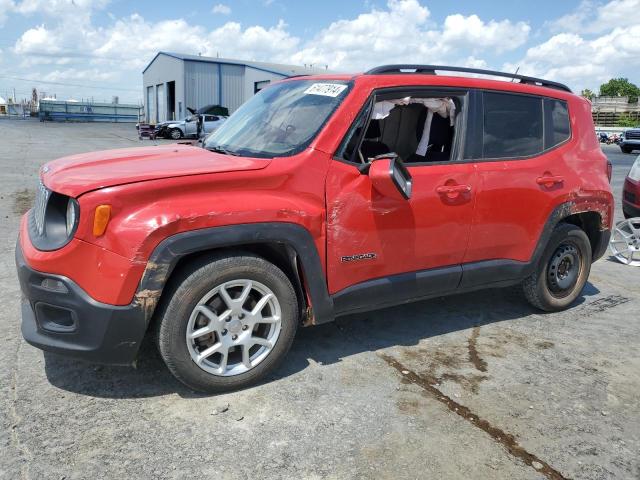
(59,316)
(630,143)
(630,211)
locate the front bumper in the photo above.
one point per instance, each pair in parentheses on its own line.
(59,316)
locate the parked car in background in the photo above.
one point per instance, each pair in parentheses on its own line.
(188,128)
(631,192)
(630,140)
(162,129)
(320,197)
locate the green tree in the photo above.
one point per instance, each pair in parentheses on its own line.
(620,87)
(625,120)
(586,93)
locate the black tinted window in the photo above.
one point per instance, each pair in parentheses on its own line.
(512,125)
(557,116)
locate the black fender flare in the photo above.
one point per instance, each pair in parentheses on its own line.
(559,213)
(167,253)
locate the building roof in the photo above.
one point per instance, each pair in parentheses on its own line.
(276,68)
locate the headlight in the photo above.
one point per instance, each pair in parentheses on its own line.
(634,173)
(71,216)
(53,220)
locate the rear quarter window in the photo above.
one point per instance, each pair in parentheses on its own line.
(557,119)
(513,125)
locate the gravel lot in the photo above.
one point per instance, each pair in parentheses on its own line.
(475,386)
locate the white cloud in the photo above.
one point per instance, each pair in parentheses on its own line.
(134,41)
(590,45)
(273,44)
(473,34)
(584,61)
(6,6)
(59,8)
(222,9)
(74,74)
(37,40)
(403,33)
(591,17)
(618,13)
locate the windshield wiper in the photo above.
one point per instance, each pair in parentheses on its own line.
(224,151)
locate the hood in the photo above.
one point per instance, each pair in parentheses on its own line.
(82,173)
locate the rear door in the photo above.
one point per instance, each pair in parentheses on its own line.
(522,141)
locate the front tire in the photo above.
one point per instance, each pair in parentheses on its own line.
(228,322)
(562,271)
(626,149)
(175,134)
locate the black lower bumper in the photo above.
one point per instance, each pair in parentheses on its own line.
(630,211)
(58,316)
(634,145)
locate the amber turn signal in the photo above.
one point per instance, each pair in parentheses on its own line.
(101,219)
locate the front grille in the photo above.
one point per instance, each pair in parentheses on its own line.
(40,207)
(632,134)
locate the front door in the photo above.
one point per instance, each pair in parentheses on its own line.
(372,236)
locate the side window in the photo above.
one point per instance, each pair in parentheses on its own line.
(418,128)
(557,118)
(513,125)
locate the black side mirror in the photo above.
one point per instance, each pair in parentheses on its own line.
(390,176)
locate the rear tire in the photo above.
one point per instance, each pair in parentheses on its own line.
(562,271)
(222,294)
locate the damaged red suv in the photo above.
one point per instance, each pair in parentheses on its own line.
(320,197)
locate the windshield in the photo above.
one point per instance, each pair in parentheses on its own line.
(280,120)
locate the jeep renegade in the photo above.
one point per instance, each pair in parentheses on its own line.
(319,197)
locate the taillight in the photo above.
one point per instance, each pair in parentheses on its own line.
(609,170)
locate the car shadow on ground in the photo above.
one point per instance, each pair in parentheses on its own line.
(404,325)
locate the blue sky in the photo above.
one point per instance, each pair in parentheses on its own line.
(98,48)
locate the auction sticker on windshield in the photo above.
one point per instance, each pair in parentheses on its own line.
(326,89)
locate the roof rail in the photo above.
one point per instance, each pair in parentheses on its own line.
(431,70)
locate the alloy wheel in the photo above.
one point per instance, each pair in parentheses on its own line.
(233,327)
(625,242)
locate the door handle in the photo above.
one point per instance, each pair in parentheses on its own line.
(453,191)
(549,180)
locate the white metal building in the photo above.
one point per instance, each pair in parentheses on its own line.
(174,81)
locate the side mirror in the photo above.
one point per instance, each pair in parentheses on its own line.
(390,177)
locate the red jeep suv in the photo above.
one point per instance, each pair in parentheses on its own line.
(321,196)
